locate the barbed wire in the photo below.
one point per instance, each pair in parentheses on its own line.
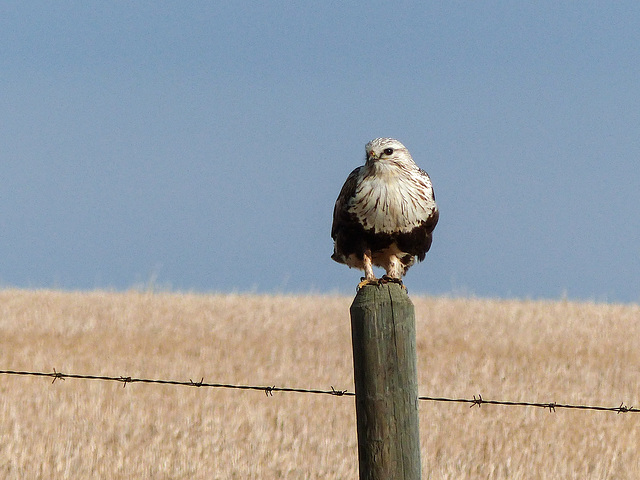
(552,406)
(269,390)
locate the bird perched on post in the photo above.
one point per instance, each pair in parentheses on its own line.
(385,214)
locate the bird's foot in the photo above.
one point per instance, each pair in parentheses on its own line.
(380,281)
(367,281)
(388,279)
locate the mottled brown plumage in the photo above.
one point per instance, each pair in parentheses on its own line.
(385,213)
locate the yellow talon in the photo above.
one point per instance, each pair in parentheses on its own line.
(364,282)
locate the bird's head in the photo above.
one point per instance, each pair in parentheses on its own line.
(386,151)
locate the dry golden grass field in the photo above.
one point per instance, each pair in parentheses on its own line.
(505,350)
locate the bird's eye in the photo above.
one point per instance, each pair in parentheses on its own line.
(388,151)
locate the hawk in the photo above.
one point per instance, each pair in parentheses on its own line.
(385,214)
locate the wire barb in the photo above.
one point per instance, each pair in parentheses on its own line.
(56,376)
(125,380)
(196,384)
(623,408)
(337,393)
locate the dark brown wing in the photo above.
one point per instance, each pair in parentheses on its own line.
(340,214)
(418,241)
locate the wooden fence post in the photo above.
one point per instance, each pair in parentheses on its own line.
(386,384)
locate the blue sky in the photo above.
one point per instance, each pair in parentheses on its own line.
(201,145)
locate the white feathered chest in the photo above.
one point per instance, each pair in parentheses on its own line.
(392,197)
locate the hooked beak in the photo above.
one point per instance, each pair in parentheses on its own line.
(371,156)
